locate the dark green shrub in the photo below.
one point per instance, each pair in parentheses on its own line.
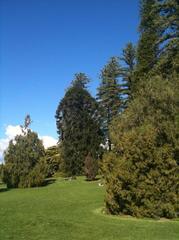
(37,175)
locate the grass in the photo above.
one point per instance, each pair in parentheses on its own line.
(70,210)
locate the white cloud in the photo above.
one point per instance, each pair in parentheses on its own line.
(3,145)
(48,141)
(10,133)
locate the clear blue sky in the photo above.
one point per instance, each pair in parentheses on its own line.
(44,42)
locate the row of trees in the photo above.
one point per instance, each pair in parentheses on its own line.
(141,172)
(83,121)
(135,115)
(130,130)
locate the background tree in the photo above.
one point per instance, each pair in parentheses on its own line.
(27,123)
(168,11)
(23,155)
(129,59)
(53,160)
(80,80)
(109,95)
(78,126)
(91,167)
(147,49)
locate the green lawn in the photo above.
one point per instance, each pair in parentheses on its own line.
(71,210)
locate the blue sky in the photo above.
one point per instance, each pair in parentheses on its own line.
(45,42)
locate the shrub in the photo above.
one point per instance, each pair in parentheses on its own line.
(53,160)
(141,172)
(37,175)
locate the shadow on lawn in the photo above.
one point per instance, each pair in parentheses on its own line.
(4,189)
(46,182)
(49,181)
(93,180)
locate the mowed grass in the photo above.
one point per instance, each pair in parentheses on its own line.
(70,210)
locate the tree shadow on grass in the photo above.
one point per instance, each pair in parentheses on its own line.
(4,189)
(49,181)
(93,180)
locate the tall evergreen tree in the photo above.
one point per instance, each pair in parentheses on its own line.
(168,11)
(147,50)
(80,80)
(109,95)
(78,126)
(141,171)
(129,59)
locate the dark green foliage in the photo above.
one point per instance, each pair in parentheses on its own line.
(141,173)
(158,47)
(168,10)
(1,172)
(147,50)
(78,126)
(37,175)
(109,94)
(80,80)
(53,160)
(90,168)
(21,157)
(129,59)
(1,167)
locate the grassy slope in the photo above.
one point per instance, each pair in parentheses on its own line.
(70,210)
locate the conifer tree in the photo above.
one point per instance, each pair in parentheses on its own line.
(141,171)
(109,95)
(129,59)
(80,80)
(147,50)
(78,126)
(168,10)
(23,160)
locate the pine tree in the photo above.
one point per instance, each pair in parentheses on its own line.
(78,126)
(80,80)
(147,50)
(129,59)
(168,10)
(169,22)
(109,95)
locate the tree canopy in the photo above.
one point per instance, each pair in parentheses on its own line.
(78,126)
(22,157)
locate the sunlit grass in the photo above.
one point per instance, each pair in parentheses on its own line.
(72,210)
